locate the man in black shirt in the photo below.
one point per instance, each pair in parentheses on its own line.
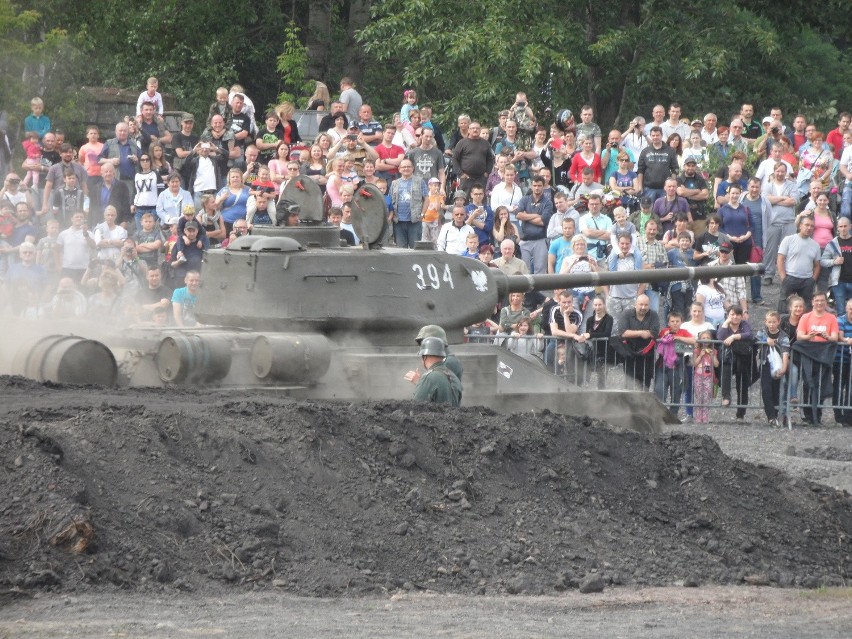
(639,328)
(240,127)
(473,158)
(184,142)
(657,163)
(837,255)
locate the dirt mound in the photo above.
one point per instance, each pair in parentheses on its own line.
(145,489)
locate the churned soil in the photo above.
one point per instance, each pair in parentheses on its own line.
(160,491)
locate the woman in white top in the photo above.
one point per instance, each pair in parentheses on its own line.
(145,181)
(507,193)
(712,299)
(696,325)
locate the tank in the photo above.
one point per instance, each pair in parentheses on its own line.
(290,310)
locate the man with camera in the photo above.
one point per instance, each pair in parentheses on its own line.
(14,192)
(131,266)
(239,229)
(771,139)
(204,173)
(353,147)
(609,157)
(634,137)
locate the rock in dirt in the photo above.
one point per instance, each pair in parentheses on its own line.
(592,583)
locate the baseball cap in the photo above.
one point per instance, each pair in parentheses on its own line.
(646,201)
(725,247)
(697,122)
(434,180)
(460,195)
(766,120)
(188,117)
(191,225)
(690,160)
(354,127)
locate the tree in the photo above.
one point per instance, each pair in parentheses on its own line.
(621,57)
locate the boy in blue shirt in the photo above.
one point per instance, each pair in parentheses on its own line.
(37,121)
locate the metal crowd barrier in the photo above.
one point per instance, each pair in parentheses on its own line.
(808,392)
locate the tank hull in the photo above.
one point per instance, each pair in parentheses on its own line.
(305,367)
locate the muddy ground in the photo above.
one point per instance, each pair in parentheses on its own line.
(111,501)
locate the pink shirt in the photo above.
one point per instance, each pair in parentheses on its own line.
(89,158)
(823,229)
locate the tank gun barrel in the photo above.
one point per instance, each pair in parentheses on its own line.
(524,283)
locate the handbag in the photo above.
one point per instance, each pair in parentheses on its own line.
(583,350)
(756,254)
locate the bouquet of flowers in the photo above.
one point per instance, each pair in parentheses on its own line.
(611,199)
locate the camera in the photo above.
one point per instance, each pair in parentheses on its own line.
(775,130)
(351,136)
(238,232)
(522,104)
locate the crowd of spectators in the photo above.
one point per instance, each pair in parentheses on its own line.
(118,226)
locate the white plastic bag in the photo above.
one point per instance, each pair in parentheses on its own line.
(773,357)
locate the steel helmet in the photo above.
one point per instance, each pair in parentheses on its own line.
(432,346)
(284,209)
(565,120)
(431,330)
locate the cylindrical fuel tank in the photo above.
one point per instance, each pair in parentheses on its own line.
(291,358)
(66,360)
(193,358)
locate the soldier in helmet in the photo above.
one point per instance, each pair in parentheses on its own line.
(288,213)
(452,362)
(438,384)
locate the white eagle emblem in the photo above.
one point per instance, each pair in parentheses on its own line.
(480,281)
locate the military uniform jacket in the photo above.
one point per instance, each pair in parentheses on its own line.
(440,385)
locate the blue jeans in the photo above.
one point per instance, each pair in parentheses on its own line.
(654,298)
(846,202)
(406,234)
(655,194)
(755,288)
(842,293)
(789,386)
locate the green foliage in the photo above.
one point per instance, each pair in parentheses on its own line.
(620,57)
(292,64)
(36,61)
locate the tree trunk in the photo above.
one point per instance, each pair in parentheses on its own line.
(318,39)
(354,59)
